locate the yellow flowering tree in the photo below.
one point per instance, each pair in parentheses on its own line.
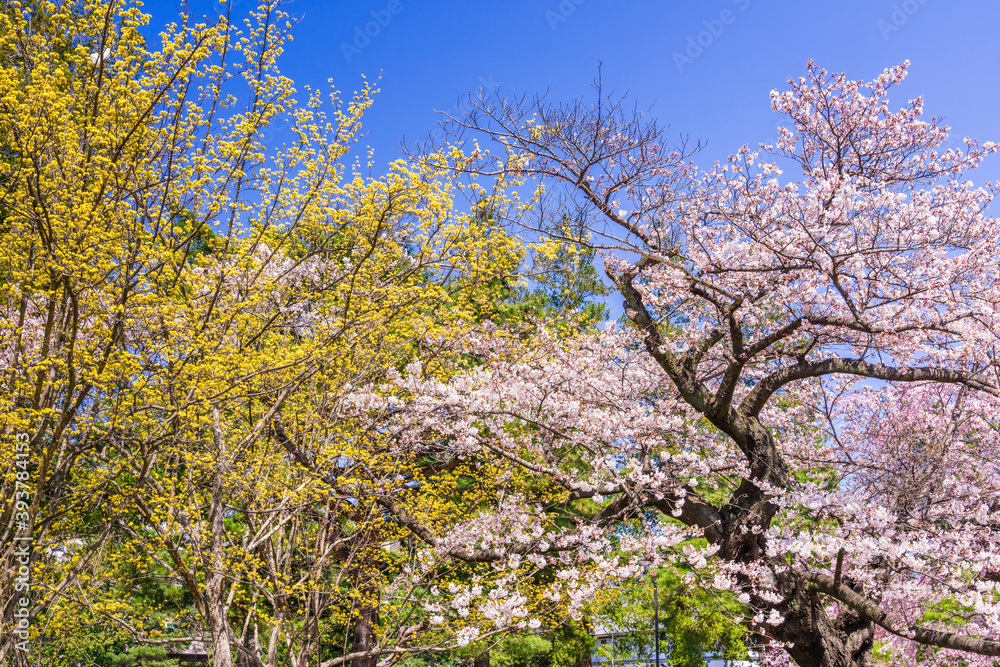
(184,312)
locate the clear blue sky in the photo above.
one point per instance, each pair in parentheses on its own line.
(431,52)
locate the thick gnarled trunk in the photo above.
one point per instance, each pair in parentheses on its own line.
(814,639)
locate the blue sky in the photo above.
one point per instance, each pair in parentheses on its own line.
(706,67)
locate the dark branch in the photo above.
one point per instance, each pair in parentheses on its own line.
(758,397)
(867,608)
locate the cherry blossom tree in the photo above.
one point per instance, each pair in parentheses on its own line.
(807,379)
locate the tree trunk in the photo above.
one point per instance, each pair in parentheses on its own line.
(816,640)
(482,660)
(215,602)
(222,655)
(364,627)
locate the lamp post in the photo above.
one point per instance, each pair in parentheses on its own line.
(656,621)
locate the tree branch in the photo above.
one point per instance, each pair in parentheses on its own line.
(758,397)
(859,603)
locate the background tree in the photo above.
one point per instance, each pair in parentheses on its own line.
(562,286)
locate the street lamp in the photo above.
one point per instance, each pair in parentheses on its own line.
(656,620)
